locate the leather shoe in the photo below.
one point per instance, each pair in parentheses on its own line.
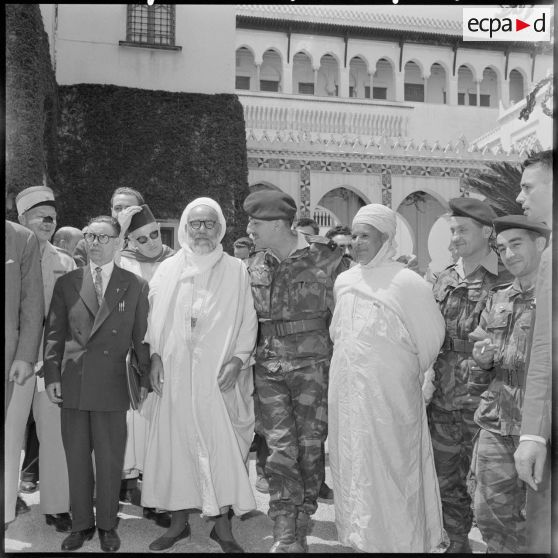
(21,506)
(162,519)
(126,495)
(325,493)
(62,521)
(229,547)
(459,547)
(163,543)
(110,541)
(76,539)
(262,485)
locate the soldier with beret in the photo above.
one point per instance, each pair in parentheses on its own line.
(500,353)
(461,291)
(36,209)
(292,285)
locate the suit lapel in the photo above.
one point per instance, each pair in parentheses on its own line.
(116,289)
(87,291)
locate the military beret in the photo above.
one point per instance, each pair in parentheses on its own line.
(141,218)
(243,241)
(34,196)
(474,209)
(270,205)
(520,222)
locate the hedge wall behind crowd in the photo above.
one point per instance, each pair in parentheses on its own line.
(30,101)
(172,147)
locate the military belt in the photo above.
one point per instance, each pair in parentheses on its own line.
(457,345)
(282,328)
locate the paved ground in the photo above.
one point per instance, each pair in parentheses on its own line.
(29,532)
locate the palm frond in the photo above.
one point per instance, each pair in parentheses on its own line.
(500,184)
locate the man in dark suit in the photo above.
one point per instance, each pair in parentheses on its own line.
(97,312)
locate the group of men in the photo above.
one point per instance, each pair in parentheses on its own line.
(97,312)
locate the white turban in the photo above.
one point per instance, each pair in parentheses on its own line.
(378,216)
(383,219)
(197,202)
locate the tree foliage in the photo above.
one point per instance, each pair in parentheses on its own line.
(500,184)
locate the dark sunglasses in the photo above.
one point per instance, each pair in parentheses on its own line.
(152,235)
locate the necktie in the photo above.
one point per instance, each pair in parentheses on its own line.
(99,285)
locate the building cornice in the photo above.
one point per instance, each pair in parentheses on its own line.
(378,33)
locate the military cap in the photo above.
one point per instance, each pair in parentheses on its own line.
(141,218)
(474,209)
(270,205)
(243,241)
(520,222)
(34,196)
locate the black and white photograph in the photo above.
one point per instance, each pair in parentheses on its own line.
(278,278)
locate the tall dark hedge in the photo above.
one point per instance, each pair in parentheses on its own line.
(30,101)
(172,147)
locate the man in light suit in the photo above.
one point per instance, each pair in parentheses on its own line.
(24,317)
(97,312)
(531,460)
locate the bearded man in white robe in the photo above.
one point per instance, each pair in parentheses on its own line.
(201,330)
(387,331)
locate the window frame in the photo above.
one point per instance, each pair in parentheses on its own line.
(142,22)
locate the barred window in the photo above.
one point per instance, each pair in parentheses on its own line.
(151,25)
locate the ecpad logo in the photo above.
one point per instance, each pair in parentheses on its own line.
(527,24)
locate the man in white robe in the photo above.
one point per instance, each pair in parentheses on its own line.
(202,331)
(387,331)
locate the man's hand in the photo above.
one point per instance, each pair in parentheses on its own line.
(156,374)
(229,374)
(125,216)
(529,462)
(483,353)
(54,392)
(20,371)
(143,394)
(428,386)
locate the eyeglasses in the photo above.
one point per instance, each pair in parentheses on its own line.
(102,238)
(152,235)
(196,225)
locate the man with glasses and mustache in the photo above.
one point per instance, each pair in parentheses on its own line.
(201,331)
(143,256)
(37,212)
(97,313)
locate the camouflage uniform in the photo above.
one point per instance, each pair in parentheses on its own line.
(450,414)
(293,300)
(500,496)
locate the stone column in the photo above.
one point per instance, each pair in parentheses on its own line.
(315,70)
(344,82)
(451,93)
(371,84)
(258,69)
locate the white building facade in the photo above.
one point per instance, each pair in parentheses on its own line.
(343,106)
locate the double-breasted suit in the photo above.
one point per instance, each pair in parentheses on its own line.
(85,348)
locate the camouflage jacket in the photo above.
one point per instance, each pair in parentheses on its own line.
(298,288)
(461,300)
(507,319)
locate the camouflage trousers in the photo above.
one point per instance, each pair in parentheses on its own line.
(500,495)
(292,409)
(452,434)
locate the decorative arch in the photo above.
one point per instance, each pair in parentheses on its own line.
(271,71)
(303,73)
(490,92)
(359,80)
(328,76)
(383,79)
(417,62)
(437,84)
(466,84)
(517,85)
(343,201)
(413,81)
(245,68)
